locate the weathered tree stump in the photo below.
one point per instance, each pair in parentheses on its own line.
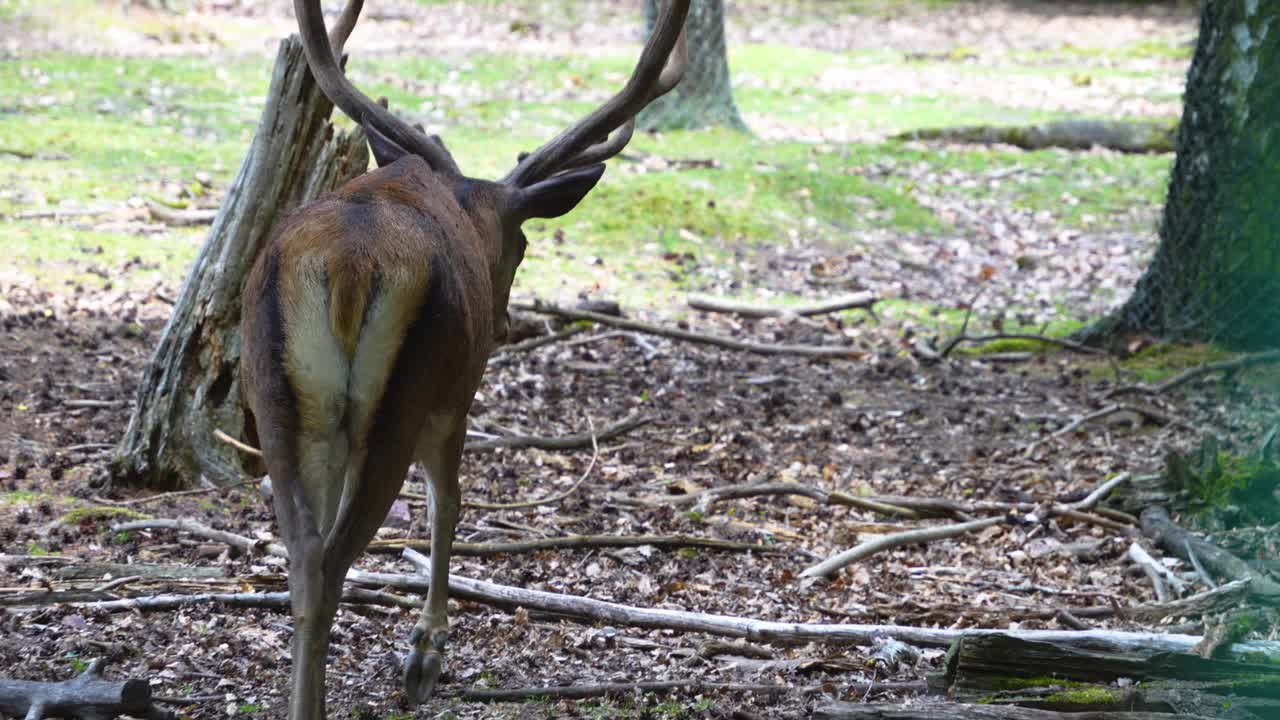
(191,385)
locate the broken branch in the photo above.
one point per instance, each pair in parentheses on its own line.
(817,351)
(708,303)
(894,540)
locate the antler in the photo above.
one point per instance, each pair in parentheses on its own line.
(322,51)
(605,132)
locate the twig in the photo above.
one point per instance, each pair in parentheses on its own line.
(505,353)
(564,442)
(1101,492)
(573,542)
(246,449)
(578,692)
(1195,564)
(1186,376)
(180,218)
(1160,576)
(118,582)
(1229,594)
(595,455)
(819,351)
(1065,617)
(708,303)
(1151,414)
(888,542)
(93,403)
(1048,340)
(182,493)
(705,498)
(240,542)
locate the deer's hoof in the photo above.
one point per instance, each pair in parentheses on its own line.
(421,672)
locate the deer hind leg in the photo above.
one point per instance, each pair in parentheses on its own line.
(430,635)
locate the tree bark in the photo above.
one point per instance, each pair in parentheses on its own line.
(704,97)
(191,385)
(1216,273)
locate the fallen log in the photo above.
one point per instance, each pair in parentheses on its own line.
(1006,670)
(1182,543)
(1129,137)
(88,696)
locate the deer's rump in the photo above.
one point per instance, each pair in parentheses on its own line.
(341,330)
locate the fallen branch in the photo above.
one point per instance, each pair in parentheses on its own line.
(1160,576)
(895,540)
(1059,342)
(1151,414)
(1073,134)
(240,542)
(599,611)
(507,353)
(180,218)
(595,455)
(936,507)
(564,442)
(180,493)
(88,696)
(579,692)
(1184,544)
(1225,366)
(708,303)
(575,542)
(1100,493)
(705,498)
(817,351)
(242,447)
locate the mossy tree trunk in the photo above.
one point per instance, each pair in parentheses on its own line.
(1216,274)
(191,385)
(704,98)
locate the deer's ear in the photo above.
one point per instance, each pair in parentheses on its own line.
(385,150)
(554,196)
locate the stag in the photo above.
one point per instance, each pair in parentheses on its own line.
(367,322)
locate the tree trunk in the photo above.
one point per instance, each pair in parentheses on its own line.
(1216,274)
(191,386)
(704,97)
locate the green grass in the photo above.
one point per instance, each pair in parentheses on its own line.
(124,129)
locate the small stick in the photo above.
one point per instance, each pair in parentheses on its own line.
(1065,617)
(816,351)
(579,692)
(93,403)
(595,455)
(1060,342)
(118,582)
(246,449)
(1160,576)
(240,542)
(1186,376)
(888,542)
(708,303)
(705,498)
(182,493)
(575,542)
(565,442)
(1101,492)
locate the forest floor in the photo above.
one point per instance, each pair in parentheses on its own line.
(1043,236)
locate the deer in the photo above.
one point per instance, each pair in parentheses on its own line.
(367,321)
